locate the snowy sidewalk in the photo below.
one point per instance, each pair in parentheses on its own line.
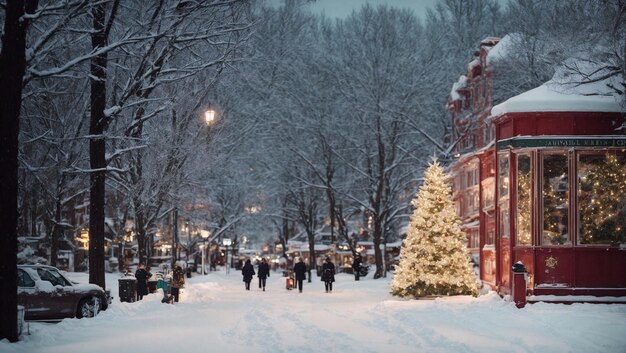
(216,314)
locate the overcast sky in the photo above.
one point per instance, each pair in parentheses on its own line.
(342,8)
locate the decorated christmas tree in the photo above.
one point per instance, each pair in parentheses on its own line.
(434,259)
(602,201)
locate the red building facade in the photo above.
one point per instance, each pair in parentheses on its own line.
(470,105)
(552,188)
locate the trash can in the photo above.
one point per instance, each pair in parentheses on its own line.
(128,289)
(152,285)
(165,284)
(520,277)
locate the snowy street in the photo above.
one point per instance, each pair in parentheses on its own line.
(216,314)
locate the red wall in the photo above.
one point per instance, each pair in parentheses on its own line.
(557,123)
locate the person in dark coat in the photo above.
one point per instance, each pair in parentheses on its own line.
(248,272)
(300,270)
(328,274)
(264,273)
(356,266)
(142,281)
(178,282)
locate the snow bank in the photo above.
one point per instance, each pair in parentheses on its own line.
(216,314)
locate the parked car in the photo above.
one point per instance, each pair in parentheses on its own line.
(47,295)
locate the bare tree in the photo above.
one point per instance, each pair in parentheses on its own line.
(380,82)
(12,68)
(98,123)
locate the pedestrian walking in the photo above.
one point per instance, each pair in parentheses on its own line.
(248,272)
(300,270)
(178,282)
(356,266)
(328,274)
(142,281)
(264,273)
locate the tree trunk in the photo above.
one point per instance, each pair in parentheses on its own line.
(33,212)
(175,238)
(312,257)
(377,253)
(377,201)
(57,230)
(12,67)
(310,230)
(140,229)
(97,149)
(285,229)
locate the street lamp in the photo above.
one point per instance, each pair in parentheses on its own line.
(227,242)
(209,116)
(204,235)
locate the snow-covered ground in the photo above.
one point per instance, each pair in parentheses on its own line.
(216,314)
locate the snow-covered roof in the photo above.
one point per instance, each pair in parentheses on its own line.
(473,64)
(565,93)
(295,246)
(490,41)
(501,49)
(461,83)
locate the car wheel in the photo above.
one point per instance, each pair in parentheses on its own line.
(104,304)
(88,307)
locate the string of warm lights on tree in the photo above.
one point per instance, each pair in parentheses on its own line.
(434,259)
(602,200)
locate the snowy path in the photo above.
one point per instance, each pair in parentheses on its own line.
(216,314)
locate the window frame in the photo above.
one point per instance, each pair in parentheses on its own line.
(541,220)
(518,217)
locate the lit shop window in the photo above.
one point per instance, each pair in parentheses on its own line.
(503,194)
(602,198)
(523,199)
(555,194)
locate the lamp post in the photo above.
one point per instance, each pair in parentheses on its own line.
(204,235)
(227,242)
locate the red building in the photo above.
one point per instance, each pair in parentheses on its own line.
(470,105)
(551,185)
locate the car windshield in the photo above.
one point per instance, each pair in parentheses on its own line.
(53,277)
